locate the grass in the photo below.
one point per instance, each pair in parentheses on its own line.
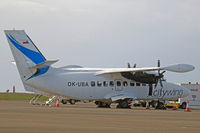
(20,96)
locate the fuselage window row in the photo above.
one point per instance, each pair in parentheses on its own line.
(118,83)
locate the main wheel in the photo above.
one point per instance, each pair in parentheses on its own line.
(143,104)
(153,103)
(71,101)
(161,105)
(123,104)
(102,104)
(63,101)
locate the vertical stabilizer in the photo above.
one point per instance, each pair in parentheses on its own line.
(26,55)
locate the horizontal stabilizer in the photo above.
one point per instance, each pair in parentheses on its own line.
(44,64)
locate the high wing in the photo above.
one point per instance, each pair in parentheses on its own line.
(181,68)
(123,95)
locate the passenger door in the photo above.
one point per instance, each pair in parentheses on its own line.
(118,85)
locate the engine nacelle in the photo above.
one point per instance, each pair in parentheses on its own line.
(141,77)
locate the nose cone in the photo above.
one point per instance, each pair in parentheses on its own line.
(182,91)
(186,92)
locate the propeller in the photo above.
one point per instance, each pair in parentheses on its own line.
(129,66)
(160,76)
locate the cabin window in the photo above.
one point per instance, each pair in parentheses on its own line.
(143,84)
(111,83)
(132,84)
(92,83)
(137,84)
(125,83)
(118,83)
(105,83)
(99,83)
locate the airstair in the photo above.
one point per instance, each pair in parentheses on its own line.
(50,100)
(34,99)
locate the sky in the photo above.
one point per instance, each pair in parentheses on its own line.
(104,33)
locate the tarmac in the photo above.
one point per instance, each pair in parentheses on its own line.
(22,117)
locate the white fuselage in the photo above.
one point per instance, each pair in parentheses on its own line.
(99,84)
(82,83)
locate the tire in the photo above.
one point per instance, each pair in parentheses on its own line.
(123,104)
(161,106)
(71,101)
(153,104)
(64,101)
(143,104)
(102,104)
(183,105)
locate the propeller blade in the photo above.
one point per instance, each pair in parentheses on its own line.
(156,84)
(129,66)
(162,72)
(158,63)
(158,66)
(161,84)
(160,76)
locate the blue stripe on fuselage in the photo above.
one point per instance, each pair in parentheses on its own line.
(42,71)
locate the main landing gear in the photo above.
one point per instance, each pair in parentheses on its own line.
(102,104)
(160,105)
(124,104)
